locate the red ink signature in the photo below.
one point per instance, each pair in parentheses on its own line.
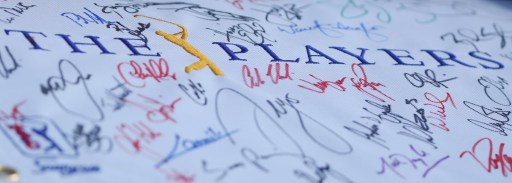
(323,85)
(18,127)
(236,3)
(360,82)
(137,74)
(25,137)
(136,138)
(494,161)
(162,114)
(249,78)
(275,78)
(239,3)
(176,176)
(274,73)
(441,109)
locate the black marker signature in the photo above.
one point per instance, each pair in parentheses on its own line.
(417,129)
(308,168)
(7,68)
(91,141)
(368,132)
(118,26)
(195,9)
(500,118)
(371,133)
(223,171)
(496,114)
(470,37)
(314,172)
(282,144)
(279,105)
(418,80)
(57,86)
(196,92)
(14,12)
(419,116)
(284,15)
(494,90)
(344,147)
(117,94)
(315,136)
(252,33)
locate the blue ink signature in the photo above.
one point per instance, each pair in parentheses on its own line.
(335,30)
(90,17)
(65,169)
(190,145)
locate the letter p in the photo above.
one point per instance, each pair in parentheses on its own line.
(230,52)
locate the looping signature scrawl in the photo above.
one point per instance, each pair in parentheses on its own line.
(320,91)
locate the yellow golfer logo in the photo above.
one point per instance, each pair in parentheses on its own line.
(180,39)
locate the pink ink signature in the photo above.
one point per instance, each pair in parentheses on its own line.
(440,113)
(176,176)
(137,74)
(135,139)
(253,79)
(360,82)
(239,3)
(491,161)
(162,113)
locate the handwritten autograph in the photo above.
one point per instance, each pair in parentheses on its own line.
(440,109)
(360,82)
(136,138)
(253,79)
(419,80)
(500,118)
(7,67)
(163,113)
(183,146)
(249,32)
(283,15)
(70,76)
(494,90)
(117,95)
(470,37)
(335,30)
(396,160)
(416,129)
(137,32)
(491,161)
(14,12)
(196,92)
(81,20)
(135,75)
(195,9)
(91,140)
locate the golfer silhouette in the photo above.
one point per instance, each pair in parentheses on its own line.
(180,39)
